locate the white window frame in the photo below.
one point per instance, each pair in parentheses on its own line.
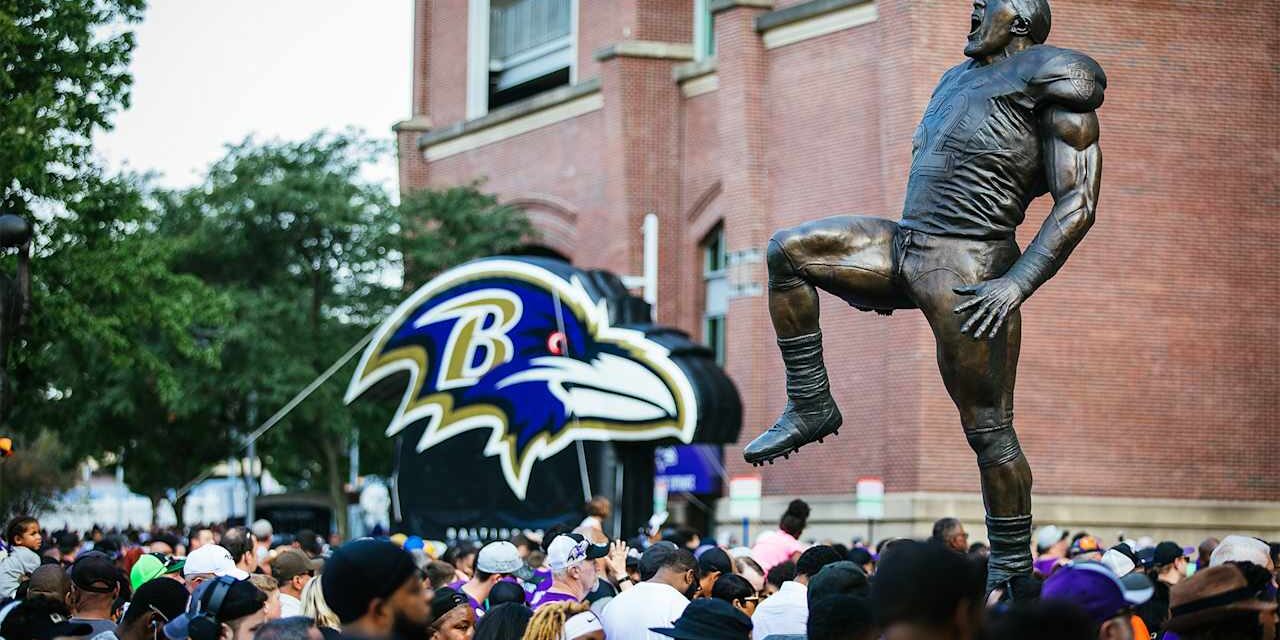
(478,55)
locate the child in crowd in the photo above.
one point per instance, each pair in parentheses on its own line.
(24,539)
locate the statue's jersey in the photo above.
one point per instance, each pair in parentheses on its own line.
(977,155)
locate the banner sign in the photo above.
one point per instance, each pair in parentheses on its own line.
(504,364)
(689,468)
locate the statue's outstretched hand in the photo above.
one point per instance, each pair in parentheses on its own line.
(993,301)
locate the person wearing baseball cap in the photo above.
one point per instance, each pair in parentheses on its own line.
(154,604)
(154,565)
(1109,601)
(1169,567)
(293,570)
(1227,601)
(1121,560)
(496,561)
(39,619)
(1085,548)
(573,574)
(95,583)
(222,608)
(1051,549)
(374,589)
(208,562)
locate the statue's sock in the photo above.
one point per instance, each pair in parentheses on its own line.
(807,383)
(1010,538)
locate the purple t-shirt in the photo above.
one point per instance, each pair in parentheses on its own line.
(547,597)
(475,604)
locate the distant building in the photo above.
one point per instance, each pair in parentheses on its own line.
(1147,396)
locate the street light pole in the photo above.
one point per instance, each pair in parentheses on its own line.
(250,485)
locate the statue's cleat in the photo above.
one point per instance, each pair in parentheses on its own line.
(796,428)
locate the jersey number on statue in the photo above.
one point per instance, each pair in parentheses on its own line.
(933,155)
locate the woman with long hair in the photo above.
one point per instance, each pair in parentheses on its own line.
(566,620)
(314,606)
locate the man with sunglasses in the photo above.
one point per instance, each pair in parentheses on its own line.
(293,570)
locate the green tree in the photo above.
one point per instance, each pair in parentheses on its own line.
(121,351)
(310,253)
(63,73)
(293,235)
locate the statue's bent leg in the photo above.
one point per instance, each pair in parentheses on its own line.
(979,376)
(849,256)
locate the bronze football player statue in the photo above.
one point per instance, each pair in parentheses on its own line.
(1015,121)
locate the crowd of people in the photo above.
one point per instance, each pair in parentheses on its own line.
(246,583)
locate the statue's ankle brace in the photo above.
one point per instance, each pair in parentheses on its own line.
(806,372)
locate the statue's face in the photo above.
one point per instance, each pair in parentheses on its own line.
(991,26)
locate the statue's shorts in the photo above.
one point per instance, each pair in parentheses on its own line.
(875,265)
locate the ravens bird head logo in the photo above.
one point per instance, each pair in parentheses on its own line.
(512,346)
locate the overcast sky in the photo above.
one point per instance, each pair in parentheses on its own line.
(209,72)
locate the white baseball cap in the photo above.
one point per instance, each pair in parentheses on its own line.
(1048,536)
(215,559)
(580,625)
(569,549)
(1238,548)
(499,557)
(1118,562)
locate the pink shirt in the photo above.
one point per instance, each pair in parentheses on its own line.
(775,547)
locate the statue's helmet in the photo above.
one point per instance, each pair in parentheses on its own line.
(1037,13)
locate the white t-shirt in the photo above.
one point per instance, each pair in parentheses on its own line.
(648,604)
(783,613)
(289,606)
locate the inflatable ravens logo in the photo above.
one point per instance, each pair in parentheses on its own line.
(520,347)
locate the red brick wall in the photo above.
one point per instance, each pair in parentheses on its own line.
(1149,364)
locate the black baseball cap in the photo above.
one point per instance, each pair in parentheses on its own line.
(94,572)
(708,619)
(715,559)
(361,571)
(39,619)
(1167,552)
(240,599)
(168,597)
(446,599)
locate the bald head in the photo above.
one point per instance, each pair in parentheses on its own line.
(49,581)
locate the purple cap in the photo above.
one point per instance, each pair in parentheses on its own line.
(1094,588)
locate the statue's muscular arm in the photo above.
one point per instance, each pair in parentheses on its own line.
(1073,162)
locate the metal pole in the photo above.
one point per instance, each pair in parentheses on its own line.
(120,492)
(355,519)
(250,486)
(651,261)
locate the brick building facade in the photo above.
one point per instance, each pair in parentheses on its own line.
(1147,399)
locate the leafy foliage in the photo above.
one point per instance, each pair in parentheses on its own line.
(63,73)
(446,227)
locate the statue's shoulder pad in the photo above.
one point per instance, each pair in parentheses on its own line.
(1067,78)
